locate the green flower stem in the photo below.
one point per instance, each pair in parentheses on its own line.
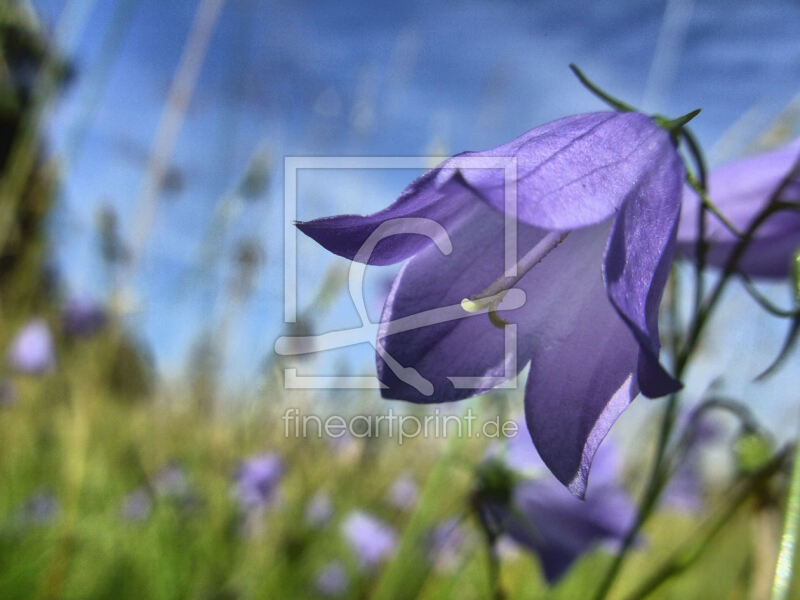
(613,102)
(700,185)
(785,563)
(694,548)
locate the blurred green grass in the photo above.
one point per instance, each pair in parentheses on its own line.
(66,436)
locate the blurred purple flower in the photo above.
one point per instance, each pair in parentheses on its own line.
(403,492)
(32,349)
(171,482)
(740,190)
(136,506)
(331,582)
(257,481)
(548,521)
(445,542)
(83,316)
(40,509)
(372,540)
(685,491)
(541,516)
(319,510)
(598,200)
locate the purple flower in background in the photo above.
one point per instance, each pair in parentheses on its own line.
(559,528)
(403,492)
(445,542)
(319,510)
(171,482)
(136,506)
(32,349)
(257,481)
(685,491)
(542,517)
(332,580)
(372,540)
(40,509)
(83,316)
(598,200)
(740,190)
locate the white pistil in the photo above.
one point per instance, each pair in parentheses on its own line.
(489,298)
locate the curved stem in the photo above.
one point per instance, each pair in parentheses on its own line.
(691,550)
(766,303)
(604,96)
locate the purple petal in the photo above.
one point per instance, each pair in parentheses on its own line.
(572,172)
(523,457)
(638,260)
(575,171)
(740,190)
(582,371)
(432,206)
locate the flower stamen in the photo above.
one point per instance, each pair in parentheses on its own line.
(493,295)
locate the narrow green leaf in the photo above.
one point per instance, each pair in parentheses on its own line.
(783,567)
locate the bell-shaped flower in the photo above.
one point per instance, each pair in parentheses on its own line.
(741,190)
(565,237)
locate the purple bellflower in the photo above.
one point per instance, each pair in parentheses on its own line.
(257,481)
(32,349)
(372,540)
(539,515)
(597,203)
(740,190)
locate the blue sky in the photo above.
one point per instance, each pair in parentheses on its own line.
(362,78)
